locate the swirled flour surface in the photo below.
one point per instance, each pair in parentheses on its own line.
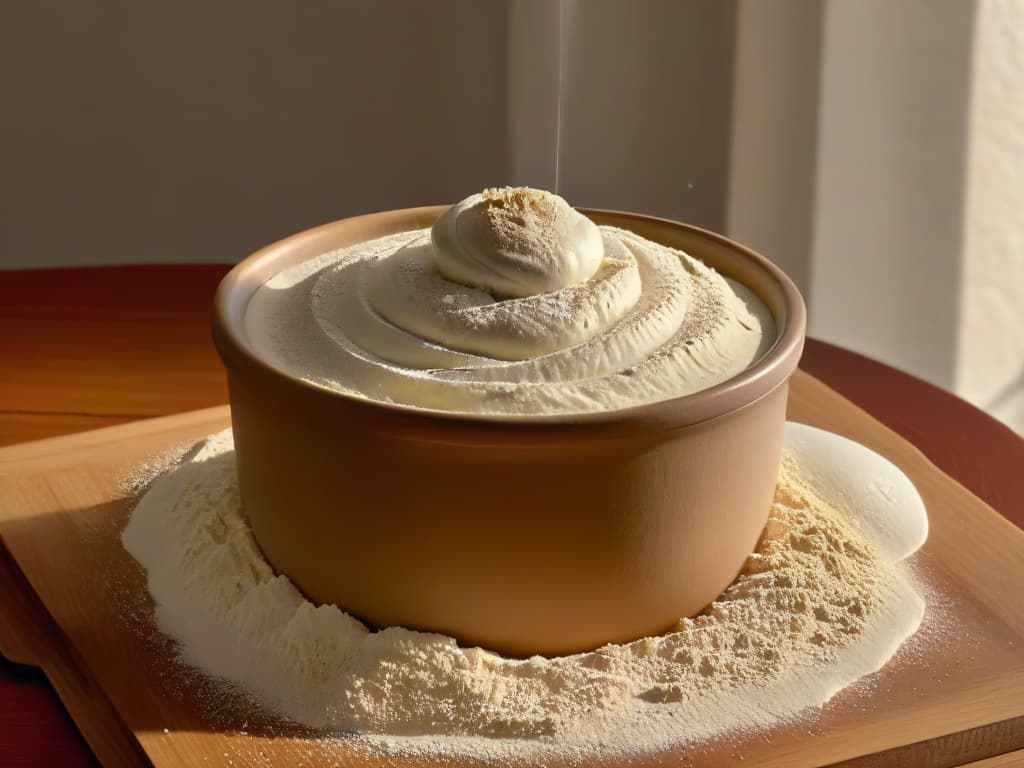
(614,321)
(819,604)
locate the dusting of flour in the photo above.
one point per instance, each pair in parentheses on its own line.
(816,607)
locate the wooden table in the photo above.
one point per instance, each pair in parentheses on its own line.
(93,347)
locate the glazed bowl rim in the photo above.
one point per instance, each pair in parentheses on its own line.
(756,381)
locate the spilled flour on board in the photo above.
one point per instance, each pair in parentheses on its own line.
(816,607)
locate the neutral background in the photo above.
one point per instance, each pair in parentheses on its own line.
(874,148)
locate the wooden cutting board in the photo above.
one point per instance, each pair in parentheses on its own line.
(74,603)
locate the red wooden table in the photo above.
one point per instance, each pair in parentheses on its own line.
(84,348)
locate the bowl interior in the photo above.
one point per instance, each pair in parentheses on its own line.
(729,258)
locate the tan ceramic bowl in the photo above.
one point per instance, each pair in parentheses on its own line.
(545,534)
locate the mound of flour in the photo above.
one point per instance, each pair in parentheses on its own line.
(816,607)
(377,320)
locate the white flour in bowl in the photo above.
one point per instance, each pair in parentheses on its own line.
(816,607)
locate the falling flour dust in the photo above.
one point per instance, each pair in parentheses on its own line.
(822,602)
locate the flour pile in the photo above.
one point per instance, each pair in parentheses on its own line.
(512,303)
(816,607)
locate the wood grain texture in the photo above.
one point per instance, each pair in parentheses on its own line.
(121,343)
(16,427)
(38,731)
(952,697)
(1009,760)
(29,635)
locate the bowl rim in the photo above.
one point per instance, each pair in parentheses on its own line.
(748,386)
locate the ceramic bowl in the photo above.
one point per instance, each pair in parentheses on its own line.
(526,535)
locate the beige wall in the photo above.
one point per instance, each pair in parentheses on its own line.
(891,157)
(194,131)
(848,166)
(775,131)
(647,107)
(908,117)
(990,354)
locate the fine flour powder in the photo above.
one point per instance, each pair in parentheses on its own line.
(816,607)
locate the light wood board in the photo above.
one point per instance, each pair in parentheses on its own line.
(73,602)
